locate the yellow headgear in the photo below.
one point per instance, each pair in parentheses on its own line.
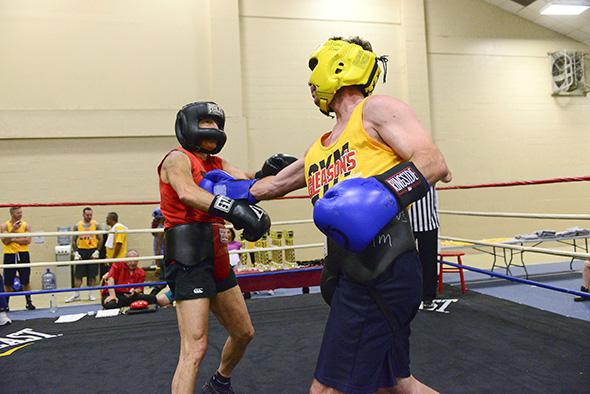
(338,63)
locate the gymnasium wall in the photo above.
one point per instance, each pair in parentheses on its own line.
(89,93)
(494,118)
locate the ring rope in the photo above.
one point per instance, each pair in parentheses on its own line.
(476,186)
(518,215)
(145,284)
(33,292)
(159,257)
(517,183)
(106,203)
(128,231)
(554,252)
(78,204)
(67,233)
(520,280)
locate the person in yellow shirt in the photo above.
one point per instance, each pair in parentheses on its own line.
(85,247)
(16,251)
(361,175)
(116,243)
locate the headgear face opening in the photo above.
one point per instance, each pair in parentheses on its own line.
(190,135)
(338,63)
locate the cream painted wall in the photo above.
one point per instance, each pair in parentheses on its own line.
(495,119)
(88,97)
(89,92)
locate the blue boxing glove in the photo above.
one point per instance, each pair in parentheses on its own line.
(354,211)
(220,182)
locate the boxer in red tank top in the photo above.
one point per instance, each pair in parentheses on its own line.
(196,262)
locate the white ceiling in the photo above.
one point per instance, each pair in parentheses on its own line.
(576,27)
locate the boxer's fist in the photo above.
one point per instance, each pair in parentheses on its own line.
(77,256)
(274,164)
(220,182)
(252,219)
(353,212)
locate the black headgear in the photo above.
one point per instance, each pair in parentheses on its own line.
(188,132)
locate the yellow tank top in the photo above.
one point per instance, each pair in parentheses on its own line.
(116,238)
(13,247)
(353,155)
(86,241)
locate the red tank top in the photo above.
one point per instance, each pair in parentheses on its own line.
(175,212)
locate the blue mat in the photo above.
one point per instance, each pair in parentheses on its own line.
(556,274)
(45,313)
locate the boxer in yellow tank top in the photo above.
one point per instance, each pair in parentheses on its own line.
(360,176)
(16,251)
(354,154)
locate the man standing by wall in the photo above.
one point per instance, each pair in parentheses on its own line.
(16,251)
(116,243)
(85,247)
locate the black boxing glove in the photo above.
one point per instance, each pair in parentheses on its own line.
(252,219)
(274,164)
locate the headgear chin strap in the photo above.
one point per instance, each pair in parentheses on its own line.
(338,63)
(190,135)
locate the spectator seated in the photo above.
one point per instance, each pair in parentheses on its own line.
(123,273)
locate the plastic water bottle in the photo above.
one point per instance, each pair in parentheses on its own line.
(49,282)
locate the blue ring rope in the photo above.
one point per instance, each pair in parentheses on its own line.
(33,292)
(520,280)
(150,284)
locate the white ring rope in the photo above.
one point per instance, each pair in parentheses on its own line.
(159,257)
(66,233)
(554,252)
(518,215)
(128,231)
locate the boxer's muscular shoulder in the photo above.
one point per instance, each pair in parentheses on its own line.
(175,162)
(380,109)
(385,114)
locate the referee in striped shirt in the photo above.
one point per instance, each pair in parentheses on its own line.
(424,219)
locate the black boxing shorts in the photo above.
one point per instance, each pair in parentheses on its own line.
(359,353)
(197,261)
(24,274)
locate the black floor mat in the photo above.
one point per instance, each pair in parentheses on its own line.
(483,345)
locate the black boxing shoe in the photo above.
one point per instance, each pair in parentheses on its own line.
(580,298)
(211,388)
(30,306)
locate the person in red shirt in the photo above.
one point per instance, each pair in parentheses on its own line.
(125,273)
(196,265)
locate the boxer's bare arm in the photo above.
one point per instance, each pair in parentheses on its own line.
(397,126)
(236,172)
(25,240)
(4,229)
(176,171)
(289,179)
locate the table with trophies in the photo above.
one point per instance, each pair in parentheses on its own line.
(276,269)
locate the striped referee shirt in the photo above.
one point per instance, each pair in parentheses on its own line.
(424,212)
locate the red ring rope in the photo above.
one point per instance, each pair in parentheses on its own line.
(518,183)
(477,186)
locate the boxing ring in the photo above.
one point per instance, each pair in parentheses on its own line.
(476,343)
